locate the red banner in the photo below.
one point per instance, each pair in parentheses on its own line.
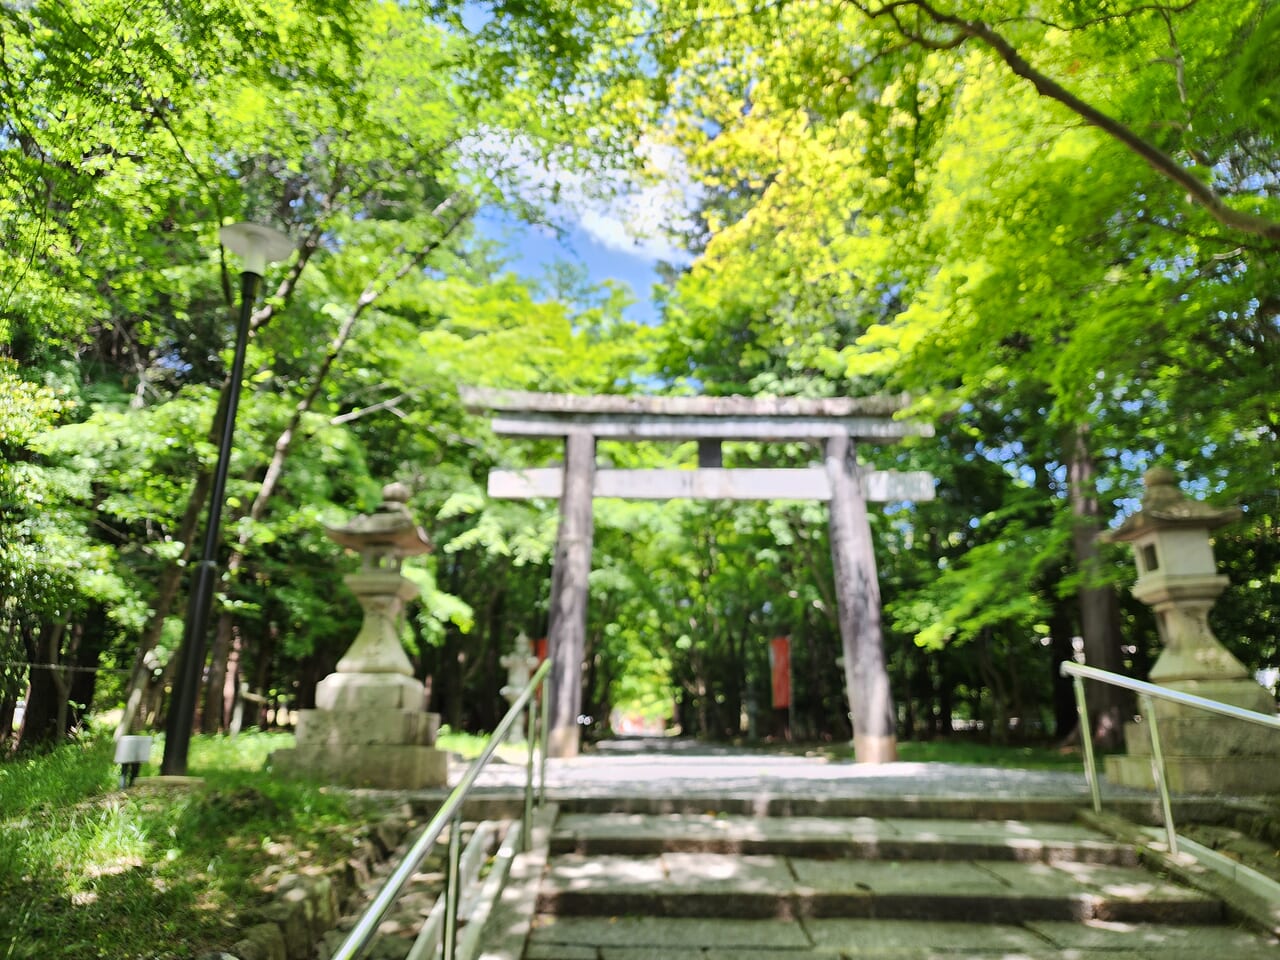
(540,649)
(780,669)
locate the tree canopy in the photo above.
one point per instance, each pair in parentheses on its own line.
(1055,225)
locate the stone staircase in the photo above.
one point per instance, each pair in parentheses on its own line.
(643,878)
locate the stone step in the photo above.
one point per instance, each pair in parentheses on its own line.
(857,878)
(710,885)
(864,838)
(991,806)
(646,938)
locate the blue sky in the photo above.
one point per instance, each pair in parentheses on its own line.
(532,250)
(615,222)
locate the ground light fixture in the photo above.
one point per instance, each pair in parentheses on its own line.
(257,246)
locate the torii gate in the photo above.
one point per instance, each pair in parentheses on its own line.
(837,424)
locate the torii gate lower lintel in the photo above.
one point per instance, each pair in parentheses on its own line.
(838,423)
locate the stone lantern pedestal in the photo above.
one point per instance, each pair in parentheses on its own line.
(1178,579)
(370,727)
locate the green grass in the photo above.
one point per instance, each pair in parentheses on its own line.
(973,753)
(990,755)
(88,871)
(66,775)
(471,745)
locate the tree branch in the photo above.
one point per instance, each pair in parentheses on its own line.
(391,403)
(370,295)
(1198,191)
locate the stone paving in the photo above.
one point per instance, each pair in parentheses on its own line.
(651,765)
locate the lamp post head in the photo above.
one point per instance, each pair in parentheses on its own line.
(257,244)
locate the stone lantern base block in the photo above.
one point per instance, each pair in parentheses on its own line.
(1203,752)
(368,691)
(330,728)
(1231,776)
(1204,736)
(376,766)
(368,730)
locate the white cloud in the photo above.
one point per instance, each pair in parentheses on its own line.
(640,214)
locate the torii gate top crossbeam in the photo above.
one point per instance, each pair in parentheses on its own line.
(621,417)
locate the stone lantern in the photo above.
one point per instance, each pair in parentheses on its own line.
(520,664)
(1178,579)
(370,727)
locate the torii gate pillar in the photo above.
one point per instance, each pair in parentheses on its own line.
(567,626)
(858,601)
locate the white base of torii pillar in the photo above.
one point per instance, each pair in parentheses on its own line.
(836,422)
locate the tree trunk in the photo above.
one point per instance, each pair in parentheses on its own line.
(310,671)
(599,685)
(140,678)
(858,592)
(156,689)
(84,682)
(568,626)
(212,717)
(596,682)
(945,722)
(494,707)
(1099,608)
(911,692)
(450,692)
(231,680)
(41,724)
(262,673)
(8,708)
(1061,632)
(704,715)
(590,677)
(993,683)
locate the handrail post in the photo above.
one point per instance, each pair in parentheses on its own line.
(531,725)
(1086,743)
(546,742)
(1158,771)
(451,892)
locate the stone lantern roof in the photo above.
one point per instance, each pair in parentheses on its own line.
(1165,506)
(389,533)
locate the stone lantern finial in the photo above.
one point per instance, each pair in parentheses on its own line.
(1160,488)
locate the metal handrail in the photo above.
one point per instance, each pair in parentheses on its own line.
(358,940)
(1147,693)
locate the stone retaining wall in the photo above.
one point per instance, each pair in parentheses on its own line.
(306,906)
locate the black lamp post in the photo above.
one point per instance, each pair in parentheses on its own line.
(257,246)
